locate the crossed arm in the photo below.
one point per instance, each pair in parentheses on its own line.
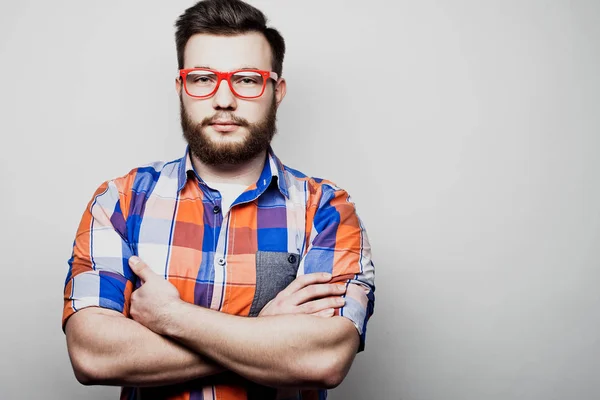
(169,341)
(296,340)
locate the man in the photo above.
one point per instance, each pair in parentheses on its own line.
(172,262)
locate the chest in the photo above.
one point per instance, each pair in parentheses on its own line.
(234,262)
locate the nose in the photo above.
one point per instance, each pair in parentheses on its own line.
(223,98)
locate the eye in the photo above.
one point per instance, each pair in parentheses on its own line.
(247,80)
(201,79)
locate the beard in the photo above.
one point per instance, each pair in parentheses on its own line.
(210,152)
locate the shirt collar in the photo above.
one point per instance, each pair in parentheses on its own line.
(273,168)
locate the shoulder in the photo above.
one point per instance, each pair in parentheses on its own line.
(143,178)
(128,193)
(140,180)
(317,190)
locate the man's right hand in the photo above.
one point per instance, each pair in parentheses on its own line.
(308,294)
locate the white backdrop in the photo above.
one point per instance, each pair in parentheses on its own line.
(467,133)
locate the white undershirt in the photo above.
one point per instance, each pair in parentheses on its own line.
(229,193)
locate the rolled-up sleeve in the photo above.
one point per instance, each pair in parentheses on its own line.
(98,272)
(338,244)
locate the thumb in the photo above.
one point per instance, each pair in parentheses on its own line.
(140,268)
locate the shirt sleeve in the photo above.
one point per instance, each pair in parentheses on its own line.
(338,244)
(98,271)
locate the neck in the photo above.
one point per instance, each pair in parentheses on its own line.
(246,173)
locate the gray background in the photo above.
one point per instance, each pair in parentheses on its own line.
(467,133)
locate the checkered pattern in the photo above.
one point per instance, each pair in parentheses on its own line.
(167,215)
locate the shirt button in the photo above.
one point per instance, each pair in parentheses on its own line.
(221,261)
(292,259)
(216,209)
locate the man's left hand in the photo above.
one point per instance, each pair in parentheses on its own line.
(150,304)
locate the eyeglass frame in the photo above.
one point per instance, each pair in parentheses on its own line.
(221,76)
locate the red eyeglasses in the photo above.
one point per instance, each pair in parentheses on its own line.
(202,83)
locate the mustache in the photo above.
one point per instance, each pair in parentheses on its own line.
(224,116)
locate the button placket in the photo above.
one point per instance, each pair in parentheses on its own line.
(220,260)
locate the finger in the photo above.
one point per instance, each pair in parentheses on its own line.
(316,306)
(325,313)
(317,291)
(305,280)
(141,269)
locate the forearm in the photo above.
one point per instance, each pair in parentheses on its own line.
(284,350)
(112,350)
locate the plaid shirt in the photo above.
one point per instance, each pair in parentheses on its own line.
(284,225)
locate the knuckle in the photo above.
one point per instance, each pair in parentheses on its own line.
(333,301)
(313,290)
(333,288)
(324,290)
(305,279)
(309,308)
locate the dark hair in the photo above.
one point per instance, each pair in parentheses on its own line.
(228,18)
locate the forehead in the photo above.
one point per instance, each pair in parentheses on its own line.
(227,53)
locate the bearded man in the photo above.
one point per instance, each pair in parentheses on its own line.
(223,274)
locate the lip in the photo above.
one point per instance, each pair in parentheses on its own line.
(223,122)
(224,126)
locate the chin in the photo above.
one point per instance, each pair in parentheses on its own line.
(225,142)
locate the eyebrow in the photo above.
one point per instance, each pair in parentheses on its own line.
(207,67)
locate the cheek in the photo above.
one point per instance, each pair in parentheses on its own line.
(253,111)
(198,110)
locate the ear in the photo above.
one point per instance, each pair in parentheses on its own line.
(178,85)
(280,89)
